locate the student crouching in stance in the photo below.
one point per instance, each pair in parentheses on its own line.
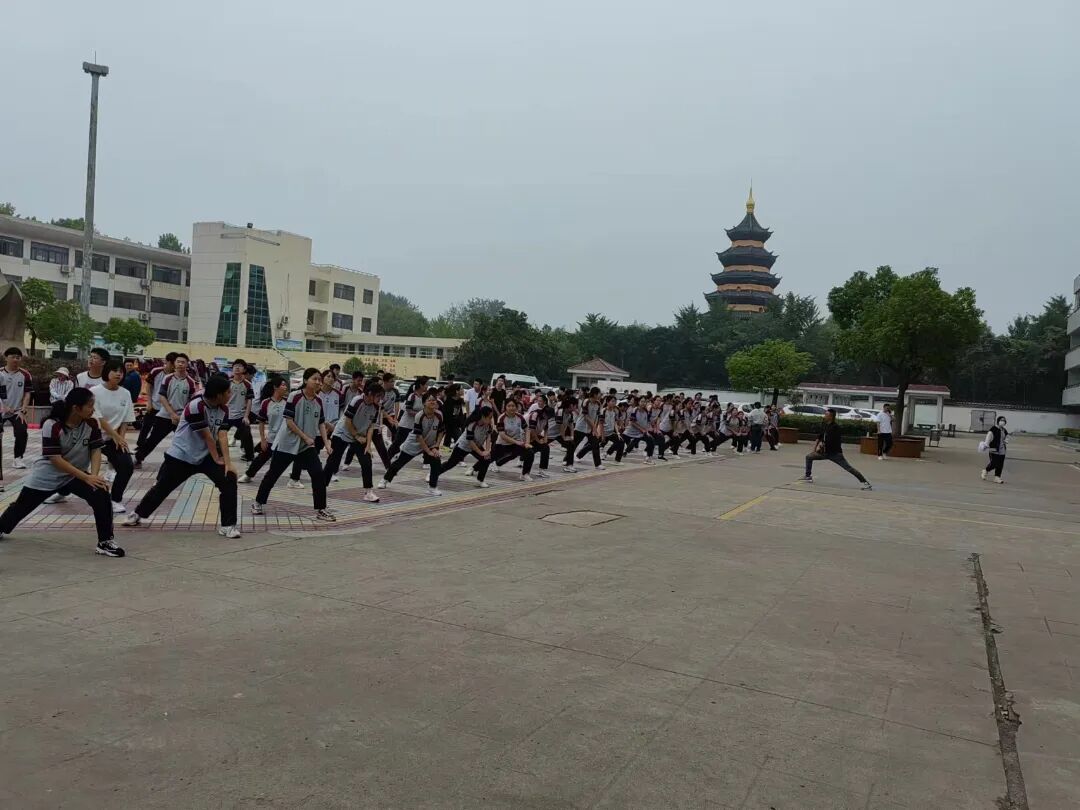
(297,442)
(70,463)
(355,432)
(424,438)
(199,446)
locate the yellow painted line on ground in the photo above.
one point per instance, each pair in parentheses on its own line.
(738,510)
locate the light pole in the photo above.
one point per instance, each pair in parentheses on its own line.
(96,72)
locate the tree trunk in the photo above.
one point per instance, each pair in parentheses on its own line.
(901,397)
(775,396)
(33,341)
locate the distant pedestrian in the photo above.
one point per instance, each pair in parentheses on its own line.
(884,431)
(60,385)
(758,421)
(996,440)
(828,448)
(132,379)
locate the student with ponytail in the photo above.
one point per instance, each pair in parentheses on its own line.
(269,418)
(424,438)
(475,442)
(356,430)
(70,463)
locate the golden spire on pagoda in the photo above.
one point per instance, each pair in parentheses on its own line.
(750,199)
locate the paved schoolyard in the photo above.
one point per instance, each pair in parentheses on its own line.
(698,635)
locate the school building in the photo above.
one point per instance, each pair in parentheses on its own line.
(242,291)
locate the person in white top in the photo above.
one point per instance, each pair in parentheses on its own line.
(60,385)
(95,365)
(115,412)
(884,431)
(472,396)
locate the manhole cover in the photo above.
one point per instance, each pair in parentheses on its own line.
(580,519)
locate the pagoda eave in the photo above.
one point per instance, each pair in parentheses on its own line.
(741,297)
(745,277)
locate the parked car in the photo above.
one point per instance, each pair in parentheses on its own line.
(805,410)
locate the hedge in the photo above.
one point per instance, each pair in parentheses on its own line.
(812,424)
(1072,433)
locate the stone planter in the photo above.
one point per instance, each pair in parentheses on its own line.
(903,446)
(788,435)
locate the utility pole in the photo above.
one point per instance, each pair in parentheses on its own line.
(96,72)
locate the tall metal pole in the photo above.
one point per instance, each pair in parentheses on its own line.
(96,72)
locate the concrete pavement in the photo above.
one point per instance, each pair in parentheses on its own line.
(710,635)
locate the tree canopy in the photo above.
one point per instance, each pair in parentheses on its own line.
(76,224)
(170,241)
(400,316)
(63,323)
(459,320)
(128,334)
(773,365)
(36,295)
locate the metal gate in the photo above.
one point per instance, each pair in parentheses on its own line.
(982,421)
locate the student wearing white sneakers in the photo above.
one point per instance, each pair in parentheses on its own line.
(884,432)
(424,438)
(474,441)
(70,462)
(355,430)
(115,412)
(199,446)
(513,440)
(16,386)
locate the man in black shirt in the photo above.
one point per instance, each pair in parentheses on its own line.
(498,393)
(828,447)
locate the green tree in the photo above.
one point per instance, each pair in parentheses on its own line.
(8,209)
(170,241)
(775,364)
(356,364)
(508,342)
(68,222)
(128,334)
(400,316)
(458,321)
(36,294)
(63,323)
(907,324)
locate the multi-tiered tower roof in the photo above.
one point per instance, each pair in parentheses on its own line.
(746,284)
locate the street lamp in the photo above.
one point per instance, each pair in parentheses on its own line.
(96,72)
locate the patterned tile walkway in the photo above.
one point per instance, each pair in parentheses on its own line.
(195,505)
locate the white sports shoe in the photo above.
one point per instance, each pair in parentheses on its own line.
(132,519)
(569,469)
(601,467)
(982,475)
(346,467)
(118,508)
(371,497)
(231,532)
(244,479)
(483,485)
(56,497)
(334,479)
(541,474)
(998,479)
(382,484)
(19,464)
(525,477)
(295,484)
(434,491)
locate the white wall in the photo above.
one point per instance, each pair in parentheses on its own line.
(1046,422)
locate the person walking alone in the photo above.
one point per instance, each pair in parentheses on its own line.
(757,421)
(996,440)
(884,431)
(828,448)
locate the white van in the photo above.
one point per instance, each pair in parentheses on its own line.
(526,380)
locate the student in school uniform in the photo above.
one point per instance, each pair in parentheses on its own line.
(70,462)
(423,440)
(354,389)
(153,396)
(95,368)
(475,441)
(609,428)
(587,429)
(537,421)
(390,411)
(414,403)
(329,394)
(177,390)
(114,412)
(198,447)
(356,429)
(304,430)
(512,440)
(637,427)
(16,388)
(270,418)
(241,398)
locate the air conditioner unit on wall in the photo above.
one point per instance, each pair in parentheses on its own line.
(144,316)
(65,269)
(144,283)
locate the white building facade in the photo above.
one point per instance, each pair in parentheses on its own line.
(128,279)
(1071,395)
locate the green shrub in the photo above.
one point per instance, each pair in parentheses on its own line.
(1072,433)
(812,424)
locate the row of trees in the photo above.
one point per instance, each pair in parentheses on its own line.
(881,328)
(65,324)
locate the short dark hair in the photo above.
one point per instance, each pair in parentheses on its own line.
(215,387)
(101,352)
(179,355)
(335,366)
(111,366)
(422,380)
(239,362)
(358,375)
(387,377)
(170,357)
(831,410)
(13,351)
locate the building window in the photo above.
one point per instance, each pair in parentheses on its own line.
(126,267)
(257,334)
(311,287)
(346,292)
(369,296)
(59,289)
(386,350)
(439,353)
(340,320)
(99,296)
(101,262)
(183,335)
(167,334)
(229,319)
(168,275)
(185,309)
(365,324)
(125,300)
(166,306)
(311,317)
(412,351)
(53,254)
(11,247)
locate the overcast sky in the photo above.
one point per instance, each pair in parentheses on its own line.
(571,156)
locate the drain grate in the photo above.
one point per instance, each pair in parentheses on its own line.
(582,519)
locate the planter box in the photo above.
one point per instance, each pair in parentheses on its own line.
(788,435)
(903,446)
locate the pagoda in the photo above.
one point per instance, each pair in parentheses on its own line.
(746,284)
